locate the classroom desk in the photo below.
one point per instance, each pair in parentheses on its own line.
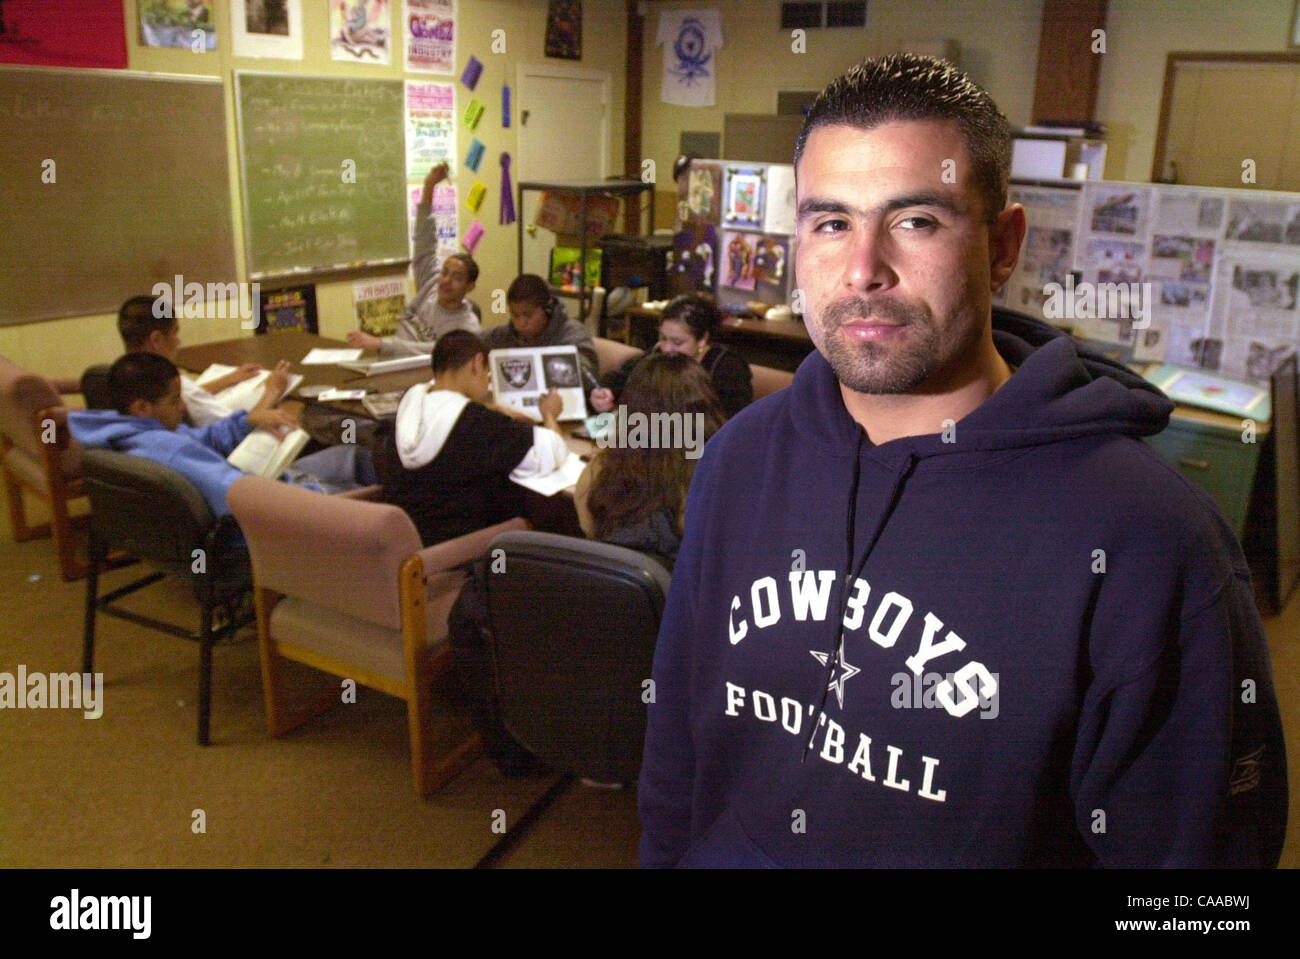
(267,350)
(780,344)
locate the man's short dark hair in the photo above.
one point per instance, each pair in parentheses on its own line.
(140,316)
(905,86)
(471,268)
(453,350)
(140,376)
(529,288)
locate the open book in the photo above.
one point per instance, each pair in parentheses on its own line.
(245,395)
(262,453)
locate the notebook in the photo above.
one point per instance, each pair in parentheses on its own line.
(521,376)
(395,365)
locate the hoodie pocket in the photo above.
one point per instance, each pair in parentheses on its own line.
(726,845)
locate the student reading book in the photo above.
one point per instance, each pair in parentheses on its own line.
(448,458)
(146,422)
(147,324)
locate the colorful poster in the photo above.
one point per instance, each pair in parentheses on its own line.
(430,140)
(360,31)
(744,197)
(293,308)
(692,267)
(738,260)
(187,24)
(564,29)
(267,28)
(429,31)
(63,33)
(379,304)
(699,193)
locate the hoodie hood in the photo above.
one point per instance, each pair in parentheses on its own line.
(425,418)
(1059,390)
(109,429)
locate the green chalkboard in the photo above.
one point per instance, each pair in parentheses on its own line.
(322,163)
(113,181)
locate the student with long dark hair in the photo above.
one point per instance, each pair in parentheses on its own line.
(689,326)
(634,493)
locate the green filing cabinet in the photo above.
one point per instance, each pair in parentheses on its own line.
(1208,449)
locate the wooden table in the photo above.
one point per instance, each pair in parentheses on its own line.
(780,344)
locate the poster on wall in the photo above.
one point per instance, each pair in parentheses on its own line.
(699,193)
(430,140)
(63,33)
(564,30)
(267,28)
(360,31)
(292,308)
(771,268)
(743,200)
(187,24)
(692,266)
(379,304)
(429,32)
(738,254)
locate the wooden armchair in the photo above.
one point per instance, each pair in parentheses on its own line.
(343,585)
(37,458)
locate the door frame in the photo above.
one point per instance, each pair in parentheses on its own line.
(566,72)
(1172,62)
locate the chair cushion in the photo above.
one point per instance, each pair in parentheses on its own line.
(348,639)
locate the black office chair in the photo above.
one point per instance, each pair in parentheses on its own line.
(574,624)
(154,513)
(94,387)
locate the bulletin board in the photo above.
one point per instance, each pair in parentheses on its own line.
(113,181)
(323,174)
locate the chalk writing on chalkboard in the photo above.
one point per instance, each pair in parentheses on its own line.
(323,168)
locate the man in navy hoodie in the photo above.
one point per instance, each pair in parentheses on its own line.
(937,603)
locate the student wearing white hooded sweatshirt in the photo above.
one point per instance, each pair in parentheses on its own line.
(449,458)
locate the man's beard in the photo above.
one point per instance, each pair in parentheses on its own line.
(876,367)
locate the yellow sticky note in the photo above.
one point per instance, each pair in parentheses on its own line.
(473,113)
(476,194)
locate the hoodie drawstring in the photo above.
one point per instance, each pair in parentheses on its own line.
(901,476)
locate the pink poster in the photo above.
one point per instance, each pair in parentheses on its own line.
(429,28)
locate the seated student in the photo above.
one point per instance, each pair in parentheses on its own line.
(147,324)
(636,497)
(146,422)
(448,457)
(539,319)
(688,326)
(439,305)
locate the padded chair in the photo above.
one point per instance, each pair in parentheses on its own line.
(611,354)
(344,586)
(94,387)
(29,462)
(767,380)
(154,513)
(574,624)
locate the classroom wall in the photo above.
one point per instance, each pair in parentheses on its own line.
(65,347)
(1141,34)
(998,38)
(999,49)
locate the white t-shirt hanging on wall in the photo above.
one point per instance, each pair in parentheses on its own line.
(691,39)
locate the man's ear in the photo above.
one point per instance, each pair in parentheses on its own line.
(1006,234)
(140,407)
(155,342)
(470,285)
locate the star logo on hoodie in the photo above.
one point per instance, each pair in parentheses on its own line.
(841,672)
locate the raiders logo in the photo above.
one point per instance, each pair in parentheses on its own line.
(518,371)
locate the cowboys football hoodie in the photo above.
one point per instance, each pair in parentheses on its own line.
(1023,641)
